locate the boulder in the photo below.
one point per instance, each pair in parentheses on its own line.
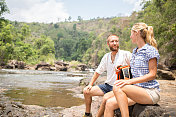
(61,63)
(147,110)
(20,65)
(42,66)
(166,75)
(60,67)
(12,64)
(82,67)
(117,112)
(9,66)
(162,66)
(139,110)
(45,68)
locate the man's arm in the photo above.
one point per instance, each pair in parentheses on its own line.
(101,68)
(94,78)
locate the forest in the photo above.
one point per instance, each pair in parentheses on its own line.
(85,40)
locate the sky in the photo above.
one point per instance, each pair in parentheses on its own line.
(47,11)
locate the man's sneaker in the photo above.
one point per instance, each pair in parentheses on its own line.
(87,116)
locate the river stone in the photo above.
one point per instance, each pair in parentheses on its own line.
(147,110)
(117,112)
(139,110)
(166,75)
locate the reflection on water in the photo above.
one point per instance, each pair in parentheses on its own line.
(44,88)
(45,98)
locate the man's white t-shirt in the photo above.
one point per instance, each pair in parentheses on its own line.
(121,58)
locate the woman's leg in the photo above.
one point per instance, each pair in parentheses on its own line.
(122,101)
(102,106)
(138,94)
(111,105)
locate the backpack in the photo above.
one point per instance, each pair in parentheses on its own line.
(124,72)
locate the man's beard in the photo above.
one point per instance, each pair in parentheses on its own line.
(114,49)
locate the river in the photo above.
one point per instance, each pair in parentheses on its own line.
(43,88)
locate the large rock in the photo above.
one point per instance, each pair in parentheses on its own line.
(61,63)
(43,66)
(162,67)
(82,67)
(61,66)
(12,64)
(166,75)
(20,65)
(139,110)
(147,110)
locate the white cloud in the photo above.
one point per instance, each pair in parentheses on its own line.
(130,1)
(137,6)
(46,11)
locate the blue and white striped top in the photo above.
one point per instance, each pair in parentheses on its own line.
(140,64)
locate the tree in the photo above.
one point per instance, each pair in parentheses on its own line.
(3,8)
(74,27)
(56,26)
(69,18)
(79,18)
(6,45)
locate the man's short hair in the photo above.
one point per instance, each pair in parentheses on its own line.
(111,35)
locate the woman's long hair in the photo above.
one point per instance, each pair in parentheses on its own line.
(146,33)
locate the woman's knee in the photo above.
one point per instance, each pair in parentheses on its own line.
(117,89)
(105,98)
(111,104)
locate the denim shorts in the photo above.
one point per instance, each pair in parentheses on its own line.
(105,87)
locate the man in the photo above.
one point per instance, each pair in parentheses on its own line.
(108,63)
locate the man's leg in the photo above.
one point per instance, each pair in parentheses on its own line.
(95,91)
(102,106)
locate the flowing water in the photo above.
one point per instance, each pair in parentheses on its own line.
(44,88)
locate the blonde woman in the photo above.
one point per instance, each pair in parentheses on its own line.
(142,88)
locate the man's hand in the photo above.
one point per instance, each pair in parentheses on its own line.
(88,88)
(117,70)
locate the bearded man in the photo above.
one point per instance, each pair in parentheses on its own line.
(108,63)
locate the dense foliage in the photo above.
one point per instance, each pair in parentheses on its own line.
(161,14)
(85,40)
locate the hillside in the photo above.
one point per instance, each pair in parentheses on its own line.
(85,40)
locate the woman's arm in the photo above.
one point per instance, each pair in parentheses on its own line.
(150,76)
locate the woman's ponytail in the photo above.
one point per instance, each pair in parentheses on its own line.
(150,37)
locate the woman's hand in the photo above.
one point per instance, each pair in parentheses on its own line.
(121,83)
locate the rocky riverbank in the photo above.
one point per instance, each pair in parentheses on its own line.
(12,108)
(167,102)
(56,66)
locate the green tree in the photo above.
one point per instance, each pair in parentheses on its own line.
(74,27)
(69,18)
(79,18)
(6,45)
(3,8)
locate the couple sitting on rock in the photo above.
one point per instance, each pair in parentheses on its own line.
(142,88)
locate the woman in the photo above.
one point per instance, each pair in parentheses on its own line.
(143,88)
